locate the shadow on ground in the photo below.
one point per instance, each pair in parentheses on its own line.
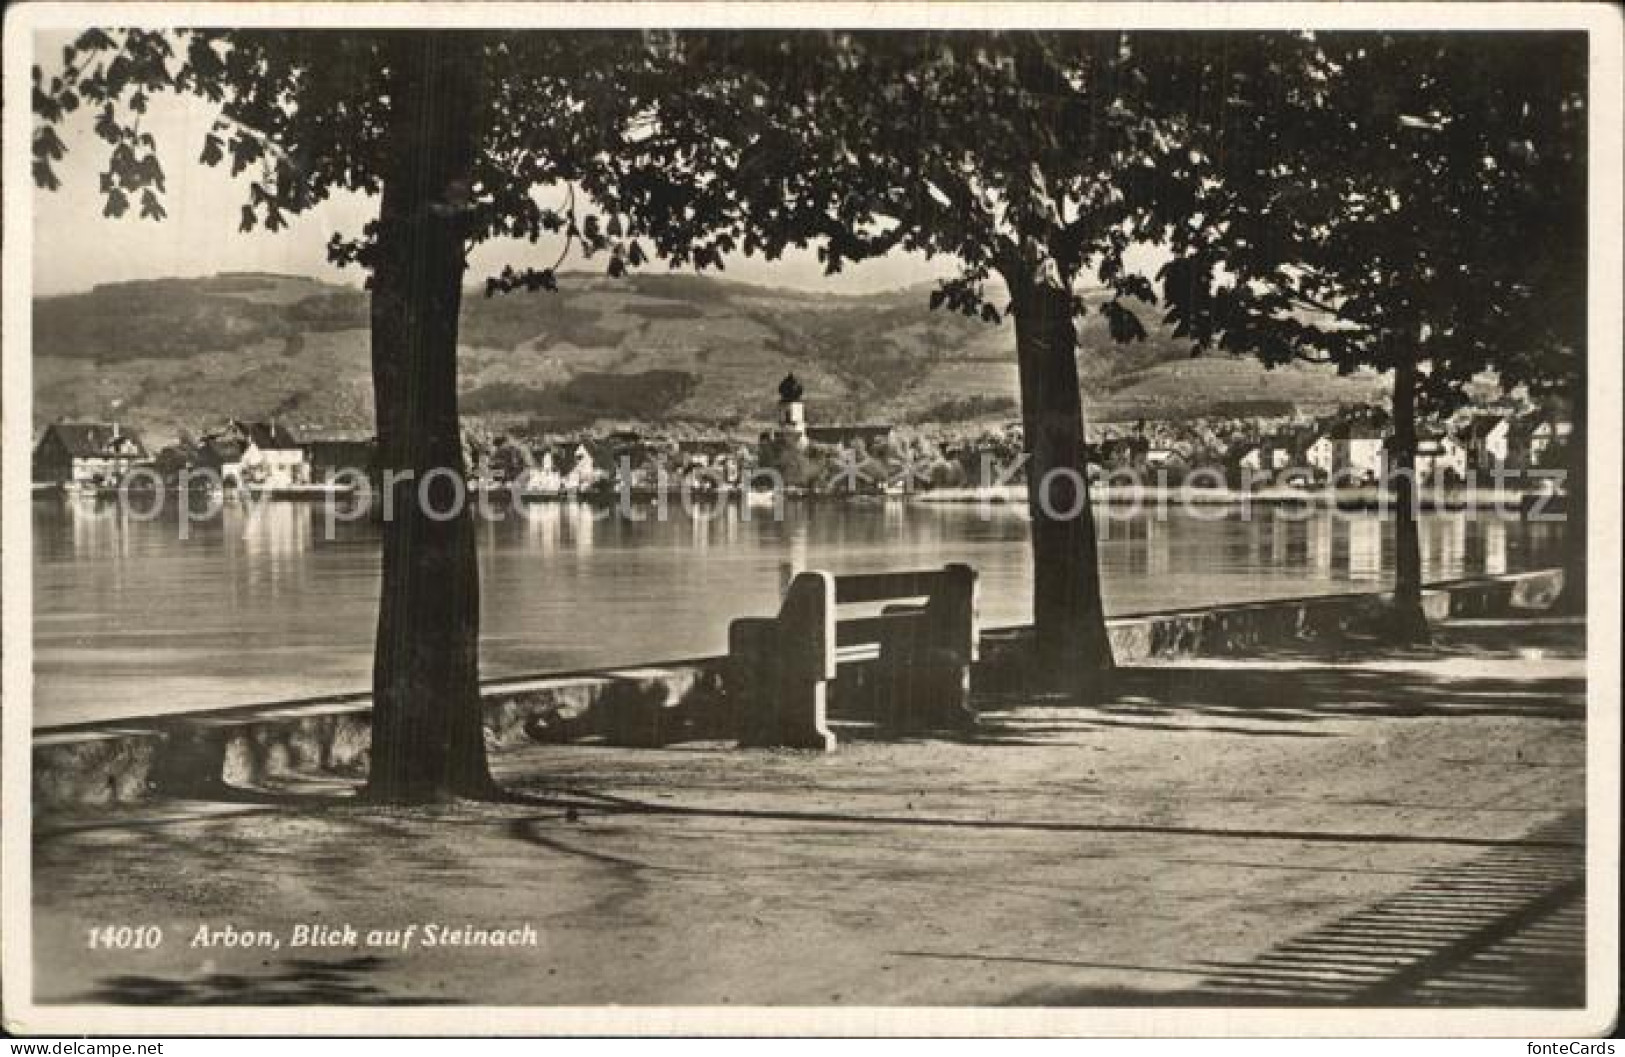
(1505,929)
(300,982)
(1296,700)
(1480,638)
(1294,690)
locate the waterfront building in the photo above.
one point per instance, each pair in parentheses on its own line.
(1543,436)
(1277,452)
(1320,454)
(1163,456)
(330,454)
(545,477)
(1440,456)
(86,453)
(705,452)
(719,458)
(584,470)
(261,453)
(1359,452)
(1488,440)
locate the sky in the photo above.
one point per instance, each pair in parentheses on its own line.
(75,247)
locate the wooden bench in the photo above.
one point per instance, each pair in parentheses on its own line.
(917,651)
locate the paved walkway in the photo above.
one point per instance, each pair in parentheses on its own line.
(1324,827)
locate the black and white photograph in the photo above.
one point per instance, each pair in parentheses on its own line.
(849,519)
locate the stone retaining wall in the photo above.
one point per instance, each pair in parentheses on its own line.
(198,753)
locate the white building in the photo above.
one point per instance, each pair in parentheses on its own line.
(273,457)
(1487,439)
(1271,454)
(583,471)
(1440,455)
(1321,455)
(1358,454)
(86,453)
(265,454)
(1546,434)
(545,477)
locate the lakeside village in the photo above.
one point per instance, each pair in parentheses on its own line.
(1512,445)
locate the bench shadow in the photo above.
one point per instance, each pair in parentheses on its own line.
(1292,690)
(1296,700)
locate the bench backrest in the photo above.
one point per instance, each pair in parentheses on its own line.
(947,621)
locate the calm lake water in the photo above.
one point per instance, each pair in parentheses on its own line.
(130,618)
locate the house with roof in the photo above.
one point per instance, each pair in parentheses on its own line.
(706,450)
(1544,436)
(1321,454)
(1246,455)
(584,471)
(86,453)
(718,457)
(332,454)
(255,453)
(1265,456)
(1358,452)
(1488,440)
(562,466)
(1164,455)
(1285,446)
(1440,457)
(222,454)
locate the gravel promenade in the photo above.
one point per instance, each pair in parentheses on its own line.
(1340,826)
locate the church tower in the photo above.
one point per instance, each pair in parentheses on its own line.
(792,412)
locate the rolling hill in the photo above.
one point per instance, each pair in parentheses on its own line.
(172,353)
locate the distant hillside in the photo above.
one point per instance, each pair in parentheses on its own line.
(176,353)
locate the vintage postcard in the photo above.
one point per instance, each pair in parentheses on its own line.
(834,519)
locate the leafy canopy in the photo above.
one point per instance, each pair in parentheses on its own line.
(1365,198)
(302,115)
(1007,151)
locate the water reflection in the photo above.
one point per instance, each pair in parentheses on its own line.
(275,601)
(1495,547)
(1365,557)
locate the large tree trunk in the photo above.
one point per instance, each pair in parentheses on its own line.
(1072,654)
(428,740)
(1409,623)
(1572,600)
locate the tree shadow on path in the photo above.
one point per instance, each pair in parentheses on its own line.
(299,982)
(1504,929)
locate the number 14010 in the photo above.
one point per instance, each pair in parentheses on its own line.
(124,937)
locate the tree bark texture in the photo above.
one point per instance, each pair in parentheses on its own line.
(1409,621)
(428,738)
(1073,652)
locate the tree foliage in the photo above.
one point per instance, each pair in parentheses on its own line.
(300,116)
(1362,199)
(1007,151)
(1409,202)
